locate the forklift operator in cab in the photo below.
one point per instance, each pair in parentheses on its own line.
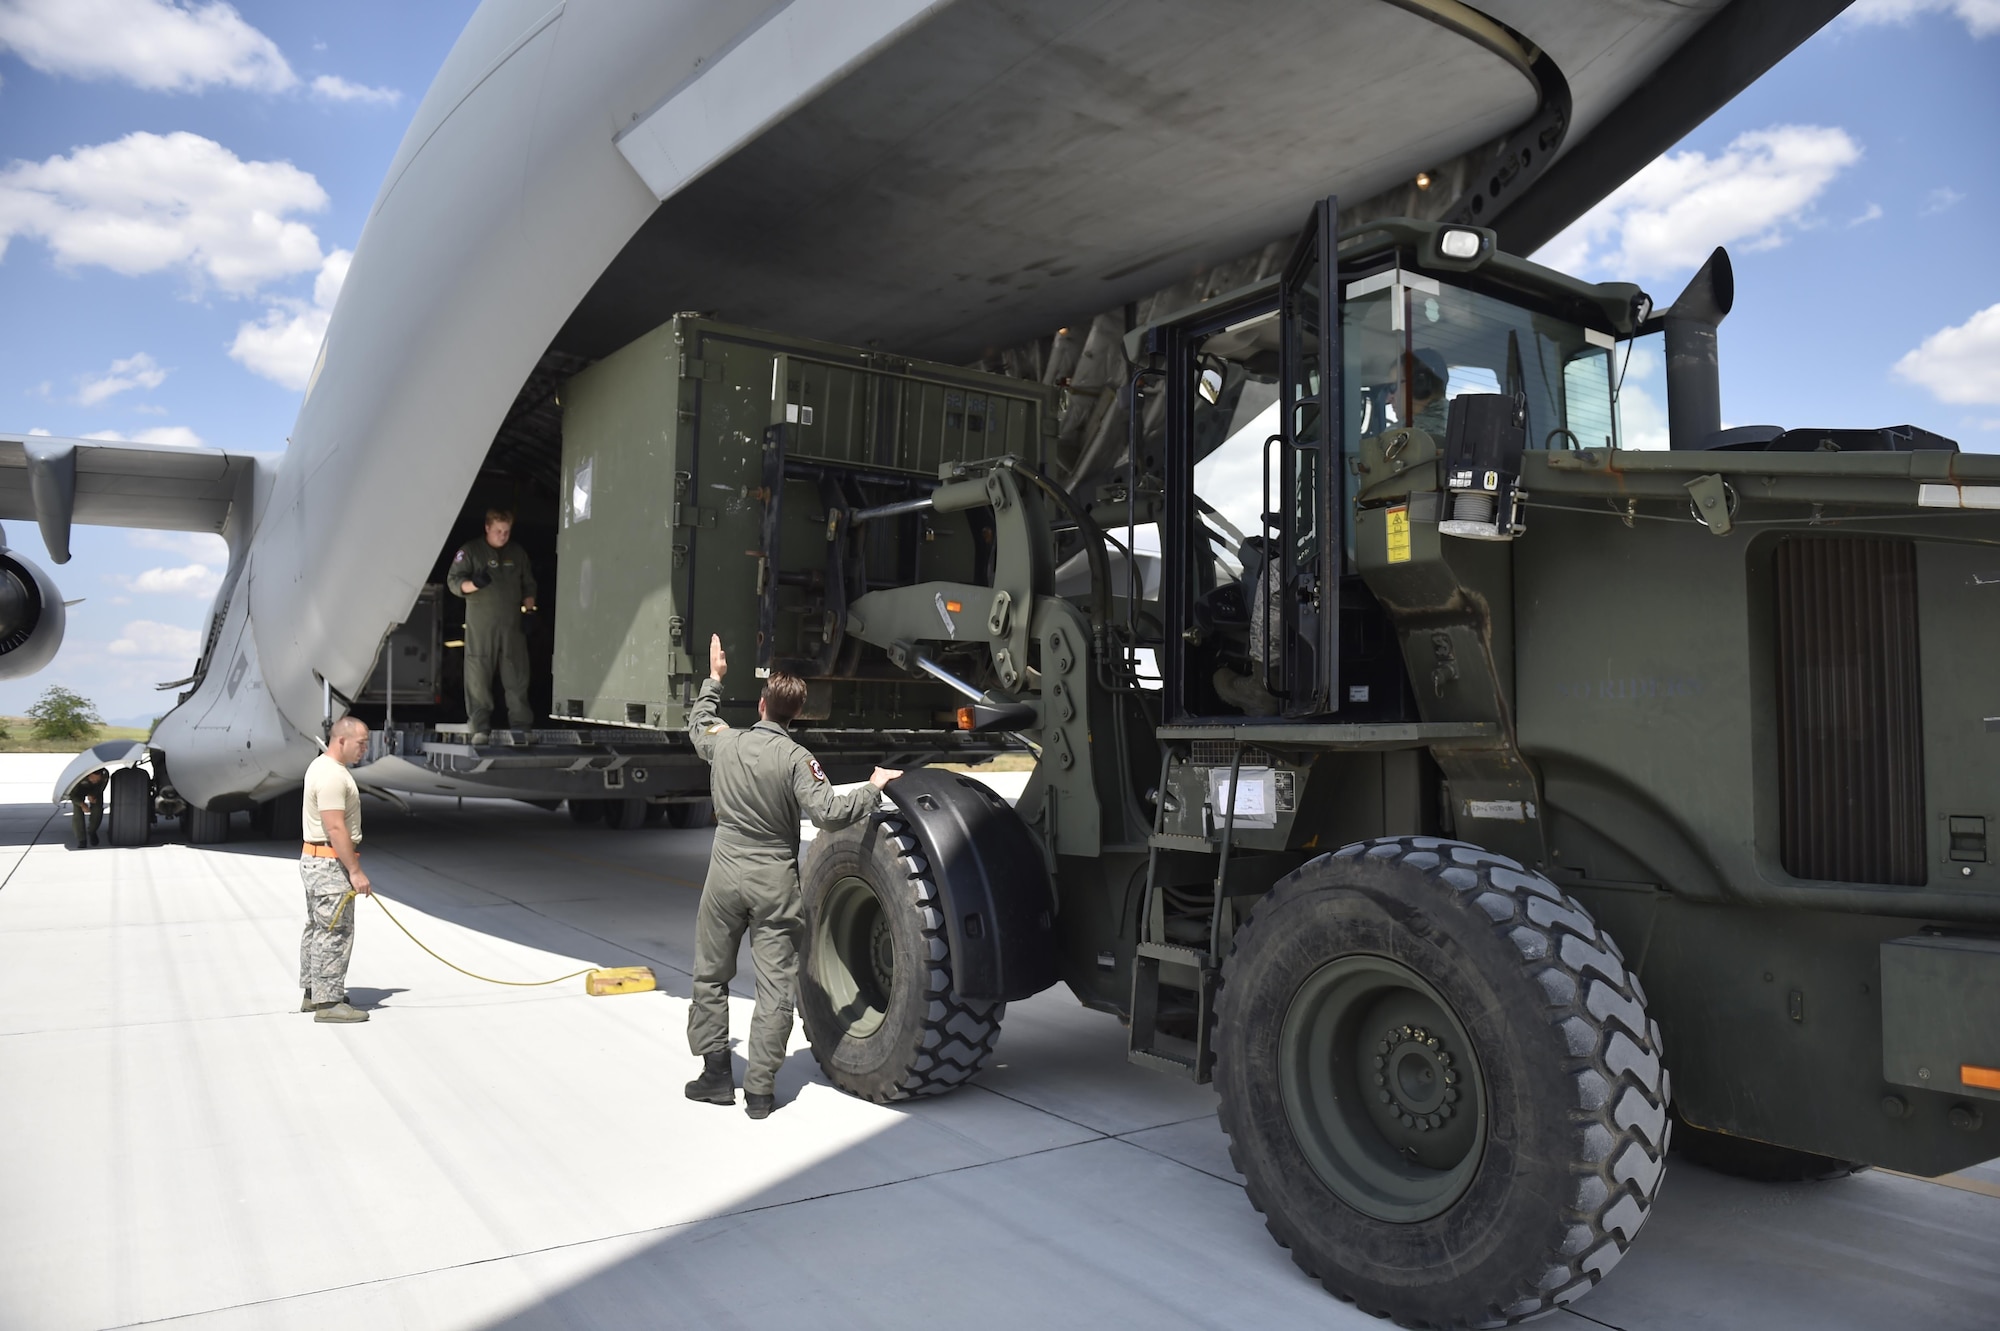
(492,577)
(1427,378)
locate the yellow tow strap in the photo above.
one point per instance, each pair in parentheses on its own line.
(603,979)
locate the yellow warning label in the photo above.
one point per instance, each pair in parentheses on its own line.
(1399,534)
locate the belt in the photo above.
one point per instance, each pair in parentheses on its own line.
(319,850)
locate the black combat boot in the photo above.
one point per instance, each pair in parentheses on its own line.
(717,1083)
(759,1106)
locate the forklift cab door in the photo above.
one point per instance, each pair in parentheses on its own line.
(1252,539)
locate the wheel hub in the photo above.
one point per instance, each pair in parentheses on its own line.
(1414,1077)
(882,953)
(853,956)
(1381,1088)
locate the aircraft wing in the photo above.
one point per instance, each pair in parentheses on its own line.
(56,482)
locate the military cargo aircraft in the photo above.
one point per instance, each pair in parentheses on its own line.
(939,179)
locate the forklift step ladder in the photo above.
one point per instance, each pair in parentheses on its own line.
(1160,964)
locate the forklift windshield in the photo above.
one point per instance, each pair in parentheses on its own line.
(1260,492)
(1412,343)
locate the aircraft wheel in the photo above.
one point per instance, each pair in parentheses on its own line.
(586,813)
(1439,1082)
(875,986)
(205,827)
(281,817)
(695,813)
(130,795)
(625,815)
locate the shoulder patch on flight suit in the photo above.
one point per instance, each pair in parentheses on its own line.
(818,774)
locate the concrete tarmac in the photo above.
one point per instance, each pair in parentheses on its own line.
(179,1145)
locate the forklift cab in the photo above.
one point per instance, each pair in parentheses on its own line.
(1277,395)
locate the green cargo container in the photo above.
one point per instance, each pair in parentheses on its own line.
(706,471)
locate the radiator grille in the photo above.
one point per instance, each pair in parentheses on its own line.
(1222,752)
(1850,716)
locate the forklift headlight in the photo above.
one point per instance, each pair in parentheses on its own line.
(1460,244)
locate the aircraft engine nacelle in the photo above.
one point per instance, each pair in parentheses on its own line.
(31,617)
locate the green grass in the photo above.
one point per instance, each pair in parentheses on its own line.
(23,738)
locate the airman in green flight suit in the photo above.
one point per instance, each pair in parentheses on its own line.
(492,577)
(763,781)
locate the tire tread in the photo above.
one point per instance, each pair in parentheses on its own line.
(958,1034)
(1620,1107)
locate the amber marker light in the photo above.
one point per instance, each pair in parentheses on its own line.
(1984,1078)
(954,607)
(965,718)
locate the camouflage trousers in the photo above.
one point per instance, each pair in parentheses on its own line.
(77,816)
(324,947)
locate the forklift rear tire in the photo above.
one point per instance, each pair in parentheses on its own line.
(205,827)
(655,814)
(875,984)
(1440,1083)
(625,815)
(586,813)
(130,793)
(1761,1162)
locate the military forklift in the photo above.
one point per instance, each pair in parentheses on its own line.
(1475,801)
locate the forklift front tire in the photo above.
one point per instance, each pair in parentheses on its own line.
(875,981)
(1439,1083)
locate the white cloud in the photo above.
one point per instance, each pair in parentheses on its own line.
(1959,364)
(1981,17)
(158,642)
(135,371)
(188,580)
(178,436)
(333,88)
(159,45)
(1871,213)
(149,202)
(1939,199)
(283,344)
(203,546)
(40,431)
(1675,210)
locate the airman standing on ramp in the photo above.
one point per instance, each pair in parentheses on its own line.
(492,577)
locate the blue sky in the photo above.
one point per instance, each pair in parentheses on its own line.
(180,183)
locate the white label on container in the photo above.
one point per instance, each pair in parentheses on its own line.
(579,492)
